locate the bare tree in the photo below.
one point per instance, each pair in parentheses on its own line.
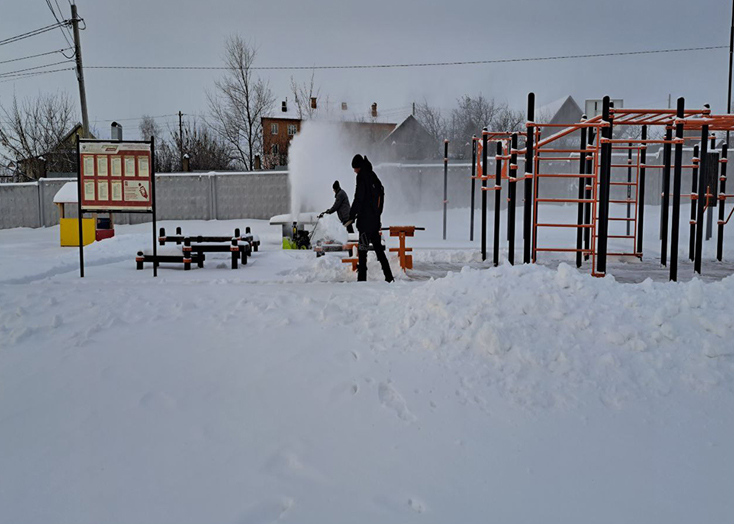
(302,95)
(31,134)
(239,102)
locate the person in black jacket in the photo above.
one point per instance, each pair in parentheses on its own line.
(341,206)
(369,199)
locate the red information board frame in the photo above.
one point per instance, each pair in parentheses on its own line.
(116,176)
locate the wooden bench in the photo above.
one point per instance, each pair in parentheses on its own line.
(184,256)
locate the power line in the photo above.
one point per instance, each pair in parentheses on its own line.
(35,32)
(14,73)
(24,76)
(36,56)
(53,12)
(425,64)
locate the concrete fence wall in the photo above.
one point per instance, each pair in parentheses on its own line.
(178,196)
(262,194)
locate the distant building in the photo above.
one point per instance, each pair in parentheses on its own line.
(562,111)
(409,141)
(59,161)
(279,128)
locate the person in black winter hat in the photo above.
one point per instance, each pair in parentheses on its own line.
(369,199)
(341,206)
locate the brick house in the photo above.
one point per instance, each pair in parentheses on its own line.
(280,127)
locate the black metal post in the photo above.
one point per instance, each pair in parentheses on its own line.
(79,209)
(665,209)
(722,214)
(588,195)
(527,211)
(445,183)
(676,190)
(582,191)
(604,185)
(512,193)
(694,202)
(152,201)
(497,202)
(702,166)
(711,204)
(629,187)
(473,185)
(641,192)
(484,194)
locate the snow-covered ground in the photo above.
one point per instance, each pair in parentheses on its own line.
(285,391)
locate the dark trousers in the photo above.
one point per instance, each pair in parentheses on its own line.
(350,228)
(365,239)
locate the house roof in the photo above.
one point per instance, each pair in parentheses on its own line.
(562,111)
(332,112)
(409,122)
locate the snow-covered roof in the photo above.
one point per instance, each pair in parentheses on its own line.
(332,112)
(67,194)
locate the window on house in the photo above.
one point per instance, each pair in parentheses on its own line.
(273,129)
(274,149)
(292,130)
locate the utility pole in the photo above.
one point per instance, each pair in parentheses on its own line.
(414,106)
(180,137)
(80,71)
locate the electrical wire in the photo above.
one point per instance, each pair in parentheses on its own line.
(35,32)
(13,73)
(35,56)
(426,64)
(23,76)
(64,29)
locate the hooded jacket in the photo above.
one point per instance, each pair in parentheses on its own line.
(368,199)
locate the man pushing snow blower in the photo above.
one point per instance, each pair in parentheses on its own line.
(369,198)
(341,206)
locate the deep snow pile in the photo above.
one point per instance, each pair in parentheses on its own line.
(546,335)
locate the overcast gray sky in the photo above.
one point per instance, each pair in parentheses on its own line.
(328,32)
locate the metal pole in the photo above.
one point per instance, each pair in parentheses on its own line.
(604,185)
(80,71)
(473,185)
(731,55)
(484,194)
(702,166)
(629,187)
(497,202)
(641,192)
(79,208)
(582,191)
(589,193)
(676,190)
(529,159)
(445,183)
(665,209)
(710,213)
(722,214)
(694,203)
(180,139)
(152,200)
(512,190)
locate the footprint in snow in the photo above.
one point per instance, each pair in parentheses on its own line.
(391,399)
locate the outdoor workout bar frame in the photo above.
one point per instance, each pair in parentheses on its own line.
(594,157)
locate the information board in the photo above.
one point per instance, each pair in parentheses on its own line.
(116,176)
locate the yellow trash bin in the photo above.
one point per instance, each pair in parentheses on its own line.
(69,228)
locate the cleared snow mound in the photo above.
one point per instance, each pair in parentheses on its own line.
(549,337)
